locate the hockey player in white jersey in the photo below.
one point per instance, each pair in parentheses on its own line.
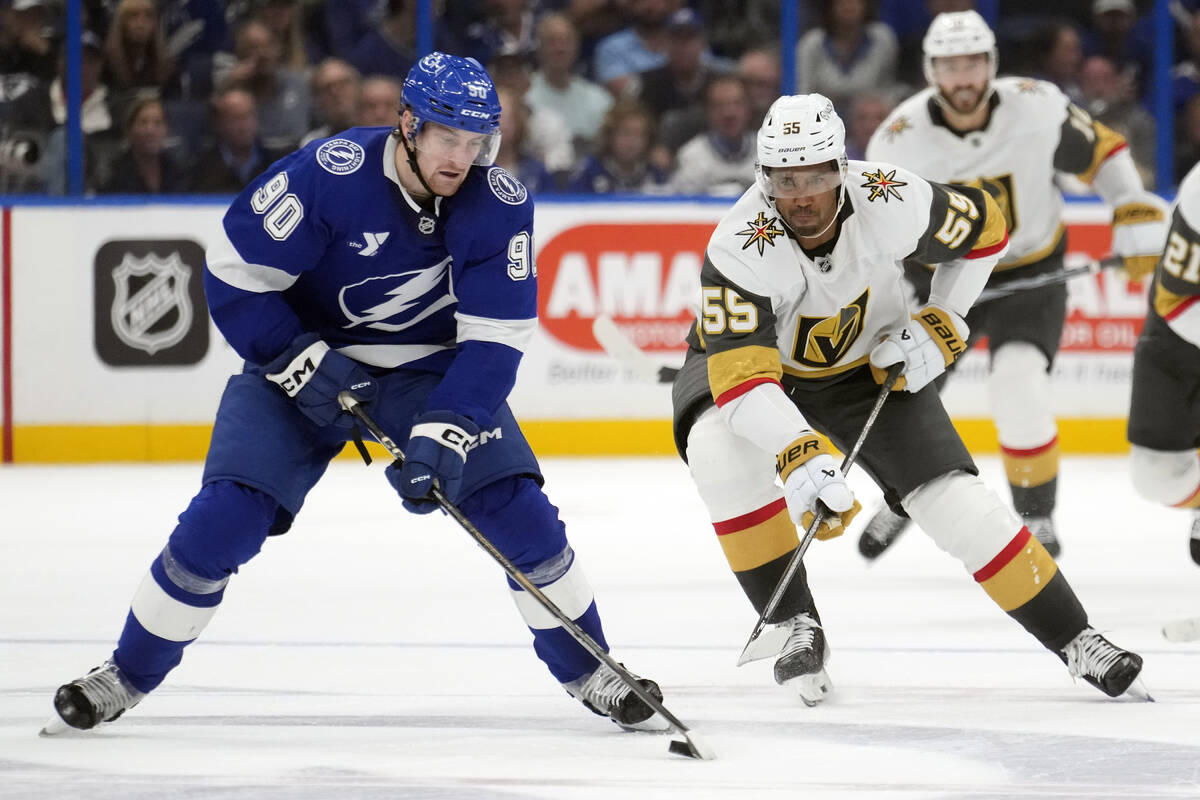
(396,264)
(1009,136)
(803,308)
(1164,416)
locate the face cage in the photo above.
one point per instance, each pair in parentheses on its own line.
(485,157)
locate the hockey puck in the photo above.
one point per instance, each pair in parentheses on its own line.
(681,749)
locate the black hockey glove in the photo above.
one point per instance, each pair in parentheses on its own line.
(436,454)
(313,375)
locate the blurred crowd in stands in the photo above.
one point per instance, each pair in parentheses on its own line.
(599,96)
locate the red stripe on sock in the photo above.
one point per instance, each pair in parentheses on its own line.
(1004,556)
(755,517)
(742,388)
(1031,452)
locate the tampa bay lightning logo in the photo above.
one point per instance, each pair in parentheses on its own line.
(340,156)
(396,302)
(506,187)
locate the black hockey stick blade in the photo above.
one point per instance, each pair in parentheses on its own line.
(692,746)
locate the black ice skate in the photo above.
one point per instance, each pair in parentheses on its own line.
(604,693)
(1104,665)
(100,696)
(883,529)
(1194,541)
(1042,529)
(801,663)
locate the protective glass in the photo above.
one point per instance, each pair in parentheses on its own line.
(801,181)
(973,68)
(465,148)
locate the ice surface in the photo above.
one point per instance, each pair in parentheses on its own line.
(374,654)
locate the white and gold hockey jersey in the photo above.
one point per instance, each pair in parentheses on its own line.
(769,308)
(1175,295)
(1033,131)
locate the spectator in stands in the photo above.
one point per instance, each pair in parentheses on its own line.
(1111,99)
(145,165)
(760,73)
(237,156)
(674,91)
(909,19)
(849,52)
(380,101)
(344,23)
(281,94)
(390,49)
(621,162)
(135,52)
(556,87)
(1061,57)
(283,18)
(26,44)
(515,154)
(867,112)
(548,137)
(337,92)
(636,48)
(196,30)
(719,161)
(506,27)
(734,28)
(1112,35)
(1187,138)
(100,136)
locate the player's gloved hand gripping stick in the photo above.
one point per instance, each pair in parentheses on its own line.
(692,745)
(759,646)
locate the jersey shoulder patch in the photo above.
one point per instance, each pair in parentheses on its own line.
(506,187)
(881,183)
(340,156)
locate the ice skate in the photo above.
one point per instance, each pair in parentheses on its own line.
(604,693)
(801,663)
(1194,541)
(883,529)
(1104,665)
(100,696)
(1042,529)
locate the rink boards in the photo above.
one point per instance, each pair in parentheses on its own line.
(108,353)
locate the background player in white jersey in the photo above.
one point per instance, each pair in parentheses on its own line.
(1164,416)
(802,305)
(1010,136)
(396,264)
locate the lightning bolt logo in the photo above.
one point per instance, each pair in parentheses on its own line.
(412,291)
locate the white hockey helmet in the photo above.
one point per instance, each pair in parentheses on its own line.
(800,130)
(958,33)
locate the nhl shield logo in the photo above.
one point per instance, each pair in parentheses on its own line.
(137,313)
(149,303)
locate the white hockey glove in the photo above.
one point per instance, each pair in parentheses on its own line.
(929,343)
(809,475)
(1140,223)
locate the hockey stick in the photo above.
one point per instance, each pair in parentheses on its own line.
(1182,630)
(692,746)
(622,348)
(1058,276)
(756,647)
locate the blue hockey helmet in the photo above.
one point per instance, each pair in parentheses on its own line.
(455,92)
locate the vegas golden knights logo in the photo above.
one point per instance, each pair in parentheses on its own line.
(822,341)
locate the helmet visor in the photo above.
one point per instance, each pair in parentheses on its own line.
(802,181)
(443,143)
(973,68)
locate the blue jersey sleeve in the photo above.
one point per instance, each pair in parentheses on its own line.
(491,239)
(272,234)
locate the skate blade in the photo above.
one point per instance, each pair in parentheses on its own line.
(811,688)
(55,727)
(1138,691)
(653,724)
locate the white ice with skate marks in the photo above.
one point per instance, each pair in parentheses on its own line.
(370,653)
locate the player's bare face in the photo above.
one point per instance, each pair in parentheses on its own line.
(806,197)
(962,80)
(445,154)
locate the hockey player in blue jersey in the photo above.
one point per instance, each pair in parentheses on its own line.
(396,265)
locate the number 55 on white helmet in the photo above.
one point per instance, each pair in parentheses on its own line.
(800,132)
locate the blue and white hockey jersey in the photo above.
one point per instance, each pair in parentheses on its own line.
(327,241)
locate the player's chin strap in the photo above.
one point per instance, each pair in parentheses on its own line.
(411,152)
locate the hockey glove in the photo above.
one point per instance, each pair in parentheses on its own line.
(436,455)
(929,343)
(313,375)
(809,474)
(1139,233)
